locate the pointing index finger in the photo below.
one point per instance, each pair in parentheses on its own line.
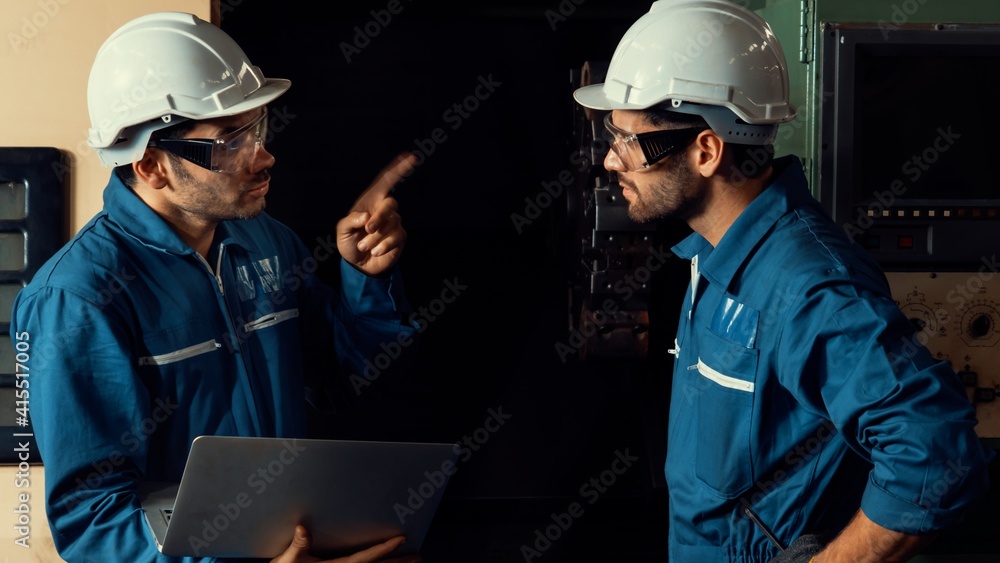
(392,174)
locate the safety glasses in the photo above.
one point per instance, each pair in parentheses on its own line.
(641,150)
(228,154)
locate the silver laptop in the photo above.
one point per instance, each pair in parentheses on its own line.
(242,497)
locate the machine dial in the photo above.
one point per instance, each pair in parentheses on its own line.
(925,320)
(980,324)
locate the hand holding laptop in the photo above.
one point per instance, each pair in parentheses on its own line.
(298,552)
(282,498)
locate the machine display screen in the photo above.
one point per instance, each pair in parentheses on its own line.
(926,121)
(908,140)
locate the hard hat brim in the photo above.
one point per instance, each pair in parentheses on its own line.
(593,97)
(267,93)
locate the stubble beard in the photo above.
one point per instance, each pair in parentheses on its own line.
(675,193)
(210,205)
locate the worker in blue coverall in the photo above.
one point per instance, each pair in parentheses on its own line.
(807,423)
(183,309)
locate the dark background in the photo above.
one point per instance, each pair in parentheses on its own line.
(494,346)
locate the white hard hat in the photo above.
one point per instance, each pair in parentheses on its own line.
(713,58)
(160,69)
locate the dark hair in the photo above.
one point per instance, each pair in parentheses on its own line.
(175,131)
(748,161)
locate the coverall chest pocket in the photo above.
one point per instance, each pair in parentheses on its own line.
(726,374)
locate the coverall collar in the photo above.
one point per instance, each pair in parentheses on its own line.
(720,264)
(139,220)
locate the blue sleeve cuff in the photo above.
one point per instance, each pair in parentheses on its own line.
(368,296)
(889,511)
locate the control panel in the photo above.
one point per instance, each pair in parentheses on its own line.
(957,315)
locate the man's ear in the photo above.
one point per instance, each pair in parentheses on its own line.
(709,150)
(152,169)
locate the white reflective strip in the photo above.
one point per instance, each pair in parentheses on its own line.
(695,277)
(271,320)
(178,355)
(724,380)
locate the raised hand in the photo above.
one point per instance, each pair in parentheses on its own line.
(371,236)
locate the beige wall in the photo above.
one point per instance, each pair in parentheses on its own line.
(46,48)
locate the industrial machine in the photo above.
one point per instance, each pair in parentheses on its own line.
(900,151)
